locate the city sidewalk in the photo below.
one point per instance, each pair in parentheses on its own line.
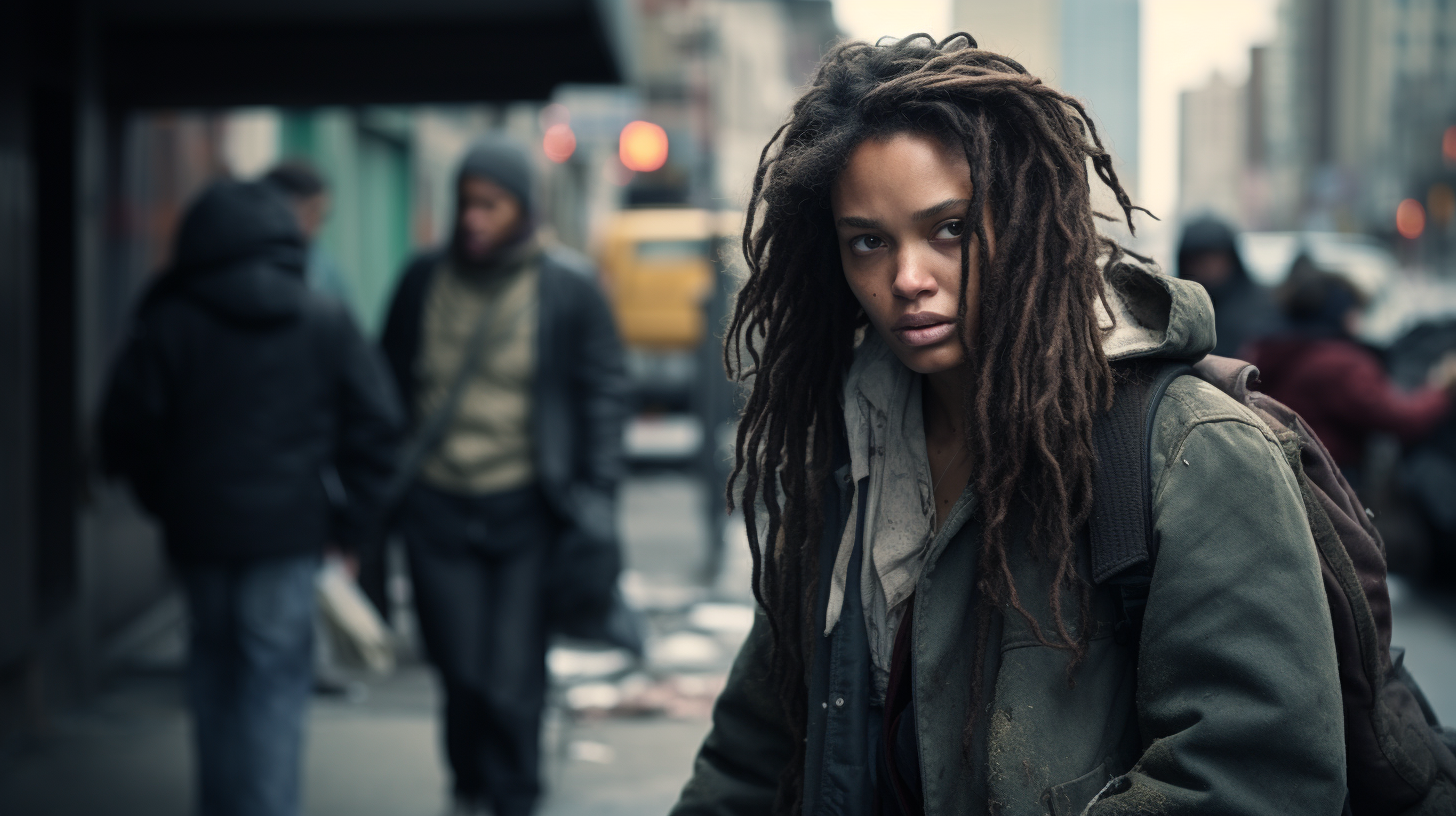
(126,755)
(620,739)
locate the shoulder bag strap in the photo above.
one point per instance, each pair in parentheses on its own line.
(1123,542)
(432,430)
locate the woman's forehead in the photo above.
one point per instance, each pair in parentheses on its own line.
(905,174)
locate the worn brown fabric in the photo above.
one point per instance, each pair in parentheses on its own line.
(1395,764)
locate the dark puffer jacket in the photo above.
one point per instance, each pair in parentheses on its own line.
(247,412)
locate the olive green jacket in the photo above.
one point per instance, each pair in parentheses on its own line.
(1233,707)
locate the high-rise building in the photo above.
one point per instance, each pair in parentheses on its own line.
(1224,145)
(1360,93)
(1029,32)
(1100,65)
(1212,155)
(1088,48)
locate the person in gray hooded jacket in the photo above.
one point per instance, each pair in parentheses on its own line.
(935,326)
(527,455)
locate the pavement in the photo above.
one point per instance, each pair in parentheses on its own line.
(620,738)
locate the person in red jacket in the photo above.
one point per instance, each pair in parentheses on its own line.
(1340,387)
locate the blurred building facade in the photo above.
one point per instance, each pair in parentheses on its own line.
(720,76)
(1346,114)
(367,156)
(1215,169)
(1087,48)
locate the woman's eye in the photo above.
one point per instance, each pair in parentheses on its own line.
(950,230)
(866,243)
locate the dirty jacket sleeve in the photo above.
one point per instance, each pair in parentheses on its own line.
(737,770)
(1238,688)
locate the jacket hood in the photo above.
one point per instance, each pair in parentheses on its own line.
(240,253)
(248,292)
(233,221)
(506,162)
(1149,314)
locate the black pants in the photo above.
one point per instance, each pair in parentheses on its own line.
(478,564)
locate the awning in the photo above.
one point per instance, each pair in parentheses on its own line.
(222,53)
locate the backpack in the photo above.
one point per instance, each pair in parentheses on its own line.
(1399,759)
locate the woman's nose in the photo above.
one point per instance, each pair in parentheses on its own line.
(913,278)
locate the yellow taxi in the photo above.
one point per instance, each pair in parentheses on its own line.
(658,271)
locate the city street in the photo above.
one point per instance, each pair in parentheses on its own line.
(620,740)
(282,280)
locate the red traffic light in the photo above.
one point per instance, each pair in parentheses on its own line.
(643,146)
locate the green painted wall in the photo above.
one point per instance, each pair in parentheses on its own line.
(366,157)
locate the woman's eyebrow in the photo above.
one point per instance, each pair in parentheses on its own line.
(928,212)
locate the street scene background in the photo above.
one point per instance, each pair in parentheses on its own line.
(1326,127)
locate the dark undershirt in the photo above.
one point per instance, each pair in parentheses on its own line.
(896,755)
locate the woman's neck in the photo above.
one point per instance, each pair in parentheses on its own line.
(943,409)
(943,403)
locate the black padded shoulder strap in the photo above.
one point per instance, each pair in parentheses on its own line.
(1121,527)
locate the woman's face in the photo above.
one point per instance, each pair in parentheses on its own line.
(899,208)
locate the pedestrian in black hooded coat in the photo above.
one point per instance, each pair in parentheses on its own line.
(252,419)
(1243,310)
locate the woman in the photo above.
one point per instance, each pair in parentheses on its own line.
(930,337)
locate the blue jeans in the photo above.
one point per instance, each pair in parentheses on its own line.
(249,673)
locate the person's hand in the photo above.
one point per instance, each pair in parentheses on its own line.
(347,560)
(1443,374)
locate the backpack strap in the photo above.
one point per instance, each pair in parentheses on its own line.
(1123,543)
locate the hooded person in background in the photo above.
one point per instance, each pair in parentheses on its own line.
(512,373)
(1243,310)
(252,419)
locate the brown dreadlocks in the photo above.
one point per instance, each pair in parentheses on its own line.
(1039,374)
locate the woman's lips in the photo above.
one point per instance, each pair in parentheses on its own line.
(923,328)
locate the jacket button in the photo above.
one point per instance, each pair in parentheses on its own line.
(839,702)
(823,705)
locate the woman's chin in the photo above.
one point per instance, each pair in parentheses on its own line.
(932,359)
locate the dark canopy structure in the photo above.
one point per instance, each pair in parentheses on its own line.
(176,53)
